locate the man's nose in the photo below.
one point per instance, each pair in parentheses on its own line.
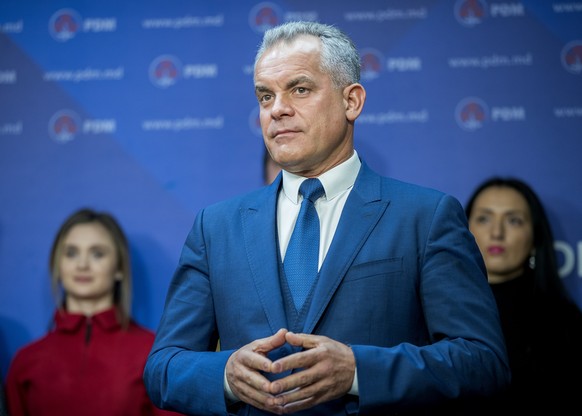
(281,107)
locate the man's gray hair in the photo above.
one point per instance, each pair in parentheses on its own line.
(339,56)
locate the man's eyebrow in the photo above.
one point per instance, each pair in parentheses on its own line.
(261,88)
(299,80)
(292,83)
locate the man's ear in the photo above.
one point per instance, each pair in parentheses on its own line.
(354,98)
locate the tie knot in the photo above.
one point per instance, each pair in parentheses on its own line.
(311,189)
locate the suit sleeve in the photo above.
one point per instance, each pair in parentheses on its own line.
(183,372)
(465,355)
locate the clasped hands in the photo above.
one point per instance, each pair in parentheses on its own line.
(327,372)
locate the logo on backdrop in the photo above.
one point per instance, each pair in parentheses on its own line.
(264,16)
(165,71)
(572,57)
(255,122)
(470,12)
(64,24)
(372,63)
(471,113)
(64,125)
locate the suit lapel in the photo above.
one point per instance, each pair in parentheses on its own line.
(259,227)
(361,213)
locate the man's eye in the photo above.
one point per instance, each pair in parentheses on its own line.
(265,98)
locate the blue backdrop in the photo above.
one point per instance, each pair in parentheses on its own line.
(146,109)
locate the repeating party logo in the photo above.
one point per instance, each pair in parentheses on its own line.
(471,113)
(165,70)
(470,12)
(64,24)
(264,16)
(372,63)
(572,57)
(64,126)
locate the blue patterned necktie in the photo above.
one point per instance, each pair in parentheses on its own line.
(302,256)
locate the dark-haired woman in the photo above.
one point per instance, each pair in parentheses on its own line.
(541,323)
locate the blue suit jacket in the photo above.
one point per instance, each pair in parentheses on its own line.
(403,283)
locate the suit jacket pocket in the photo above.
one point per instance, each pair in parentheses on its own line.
(374,268)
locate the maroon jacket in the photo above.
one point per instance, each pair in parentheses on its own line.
(84,366)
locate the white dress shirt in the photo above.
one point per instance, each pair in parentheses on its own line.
(337,183)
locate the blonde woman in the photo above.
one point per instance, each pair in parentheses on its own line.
(91,361)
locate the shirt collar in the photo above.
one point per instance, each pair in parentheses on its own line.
(72,322)
(334,181)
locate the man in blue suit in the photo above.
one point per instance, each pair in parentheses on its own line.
(400,317)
